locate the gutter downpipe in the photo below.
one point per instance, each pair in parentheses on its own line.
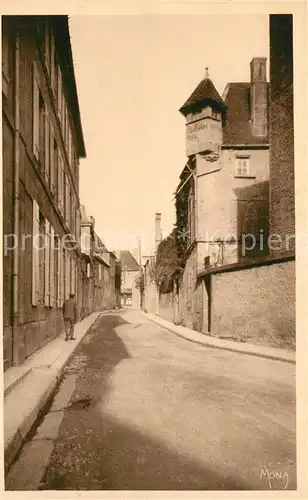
(15,336)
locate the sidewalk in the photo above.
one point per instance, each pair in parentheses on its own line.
(28,388)
(285,355)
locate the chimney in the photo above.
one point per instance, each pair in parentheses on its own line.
(158,234)
(259,97)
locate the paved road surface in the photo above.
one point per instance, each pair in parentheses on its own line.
(167,414)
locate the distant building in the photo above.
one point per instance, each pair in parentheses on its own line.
(86,281)
(42,144)
(98,270)
(130,295)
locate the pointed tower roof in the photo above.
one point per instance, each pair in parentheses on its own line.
(204,93)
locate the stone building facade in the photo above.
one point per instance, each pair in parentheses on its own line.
(98,290)
(42,144)
(239,276)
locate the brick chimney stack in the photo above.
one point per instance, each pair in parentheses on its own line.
(259,97)
(158,233)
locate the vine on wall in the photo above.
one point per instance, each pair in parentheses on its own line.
(171,253)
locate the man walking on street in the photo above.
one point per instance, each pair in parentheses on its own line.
(70,316)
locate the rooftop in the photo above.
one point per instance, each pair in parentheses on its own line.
(237,127)
(204,92)
(128,261)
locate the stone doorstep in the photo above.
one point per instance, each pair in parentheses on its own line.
(209,341)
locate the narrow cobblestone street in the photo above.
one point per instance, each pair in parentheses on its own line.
(153,411)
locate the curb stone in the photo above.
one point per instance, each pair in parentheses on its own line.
(219,345)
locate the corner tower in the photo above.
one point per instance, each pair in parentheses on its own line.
(204,112)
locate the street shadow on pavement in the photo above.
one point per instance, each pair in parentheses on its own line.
(97,452)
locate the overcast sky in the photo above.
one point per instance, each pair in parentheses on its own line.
(133,73)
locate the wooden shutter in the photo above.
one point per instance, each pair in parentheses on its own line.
(58,290)
(52,159)
(60,184)
(47,47)
(47,263)
(59,180)
(52,64)
(35,251)
(36,113)
(63,277)
(47,148)
(52,267)
(72,274)
(59,95)
(67,274)
(67,201)
(69,147)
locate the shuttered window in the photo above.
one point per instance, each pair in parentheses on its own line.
(47,148)
(53,157)
(36,113)
(58,251)
(60,184)
(63,277)
(59,95)
(73,275)
(67,202)
(47,263)
(35,252)
(47,46)
(53,66)
(52,268)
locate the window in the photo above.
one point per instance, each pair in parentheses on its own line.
(99,271)
(88,270)
(53,160)
(59,91)
(73,215)
(42,257)
(69,149)
(47,148)
(242,166)
(47,47)
(37,103)
(60,183)
(215,115)
(35,252)
(42,131)
(54,67)
(67,274)
(59,271)
(47,263)
(67,202)
(72,275)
